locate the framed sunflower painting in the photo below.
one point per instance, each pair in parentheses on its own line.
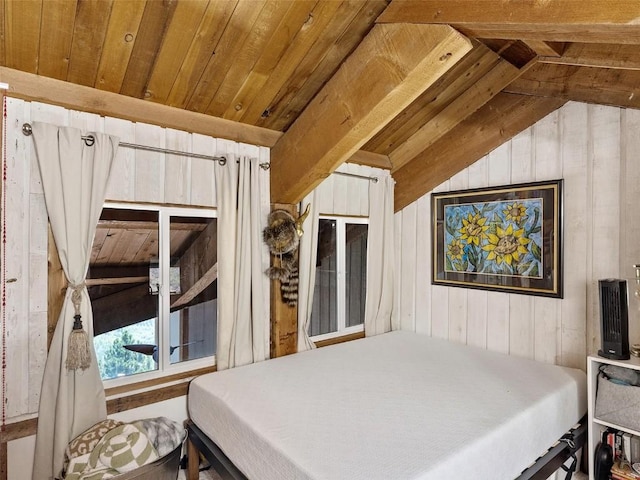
(504,238)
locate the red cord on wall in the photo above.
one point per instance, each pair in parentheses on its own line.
(4,267)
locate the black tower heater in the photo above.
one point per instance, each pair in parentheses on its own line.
(614,319)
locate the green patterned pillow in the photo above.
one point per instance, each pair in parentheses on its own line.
(87,440)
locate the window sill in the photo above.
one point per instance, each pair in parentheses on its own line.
(151,391)
(340,339)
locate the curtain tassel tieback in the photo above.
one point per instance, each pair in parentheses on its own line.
(79,352)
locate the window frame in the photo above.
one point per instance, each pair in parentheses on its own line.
(165,367)
(341,290)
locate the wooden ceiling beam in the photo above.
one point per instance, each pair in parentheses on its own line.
(371,159)
(90,282)
(604,86)
(391,67)
(553,20)
(78,97)
(549,49)
(123,308)
(503,117)
(31,87)
(467,71)
(465,104)
(598,55)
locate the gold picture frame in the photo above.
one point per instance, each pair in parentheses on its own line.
(505,238)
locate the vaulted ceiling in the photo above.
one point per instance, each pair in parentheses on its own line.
(422,87)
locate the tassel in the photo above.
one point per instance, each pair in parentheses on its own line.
(78,351)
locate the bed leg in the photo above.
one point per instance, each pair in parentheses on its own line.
(193,462)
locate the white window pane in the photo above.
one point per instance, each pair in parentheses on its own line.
(325,305)
(355,273)
(193,305)
(339,296)
(127,350)
(125,312)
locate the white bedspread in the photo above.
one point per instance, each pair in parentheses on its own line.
(398,406)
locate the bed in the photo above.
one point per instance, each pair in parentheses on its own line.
(400,406)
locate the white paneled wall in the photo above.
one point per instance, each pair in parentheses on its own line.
(349,196)
(138,176)
(595,149)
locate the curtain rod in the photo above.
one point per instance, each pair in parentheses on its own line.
(89,140)
(365,177)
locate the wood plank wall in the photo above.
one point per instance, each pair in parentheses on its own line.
(139,176)
(595,149)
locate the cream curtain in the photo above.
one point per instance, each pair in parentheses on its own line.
(307,256)
(243,288)
(74,179)
(380,257)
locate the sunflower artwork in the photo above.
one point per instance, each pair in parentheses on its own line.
(505,238)
(501,238)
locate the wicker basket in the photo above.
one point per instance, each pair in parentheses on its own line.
(165,468)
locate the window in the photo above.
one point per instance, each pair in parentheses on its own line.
(341,274)
(152,282)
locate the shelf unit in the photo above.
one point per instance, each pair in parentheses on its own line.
(597,426)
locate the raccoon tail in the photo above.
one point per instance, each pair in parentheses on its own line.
(289,288)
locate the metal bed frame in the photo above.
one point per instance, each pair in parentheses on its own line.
(554,459)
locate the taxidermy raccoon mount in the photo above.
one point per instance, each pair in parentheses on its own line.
(282,236)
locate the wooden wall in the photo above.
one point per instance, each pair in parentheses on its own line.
(138,176)
(595,150)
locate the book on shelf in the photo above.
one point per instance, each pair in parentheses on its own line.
(623,471)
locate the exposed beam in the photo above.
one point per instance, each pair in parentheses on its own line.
(123,308)
(35,88)
(468,102)
(475,65)
(19,429)
(503,117)
(31,87)
(624,57)
(77,97)
(284,319)
(197,288)
(620,88)
(392,66)
(198,265)
(142,225)
(549,49)
(370,159)
(115,281)
(602,21)
(97,272)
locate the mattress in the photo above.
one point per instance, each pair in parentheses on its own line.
(399,406)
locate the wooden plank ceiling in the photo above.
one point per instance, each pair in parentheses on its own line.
(395,84)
